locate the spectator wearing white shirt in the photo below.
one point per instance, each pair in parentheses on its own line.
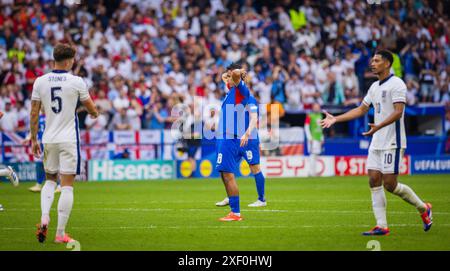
(121,102)
(264,90)
(363,31)
(99,124)
(9,122)
(234,53)
(293,93)
(338,69)
(309,93)
(350,84)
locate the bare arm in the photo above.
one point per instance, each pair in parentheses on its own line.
(251,126)
(34,127)
(225,77)
(353,114)
(236,76)
(90,107)
(253,122)
(34,119)
(350,115)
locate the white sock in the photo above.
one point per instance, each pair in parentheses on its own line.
(65,204)
(379,205)
(312,160)
(408,195)
(4,172)
(47,196)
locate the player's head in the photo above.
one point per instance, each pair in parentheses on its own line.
(381,61)
(233,66)
(64,56)
(316,107)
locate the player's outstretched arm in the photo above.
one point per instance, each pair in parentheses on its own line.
(396,115)
(90,107)
(350,115)
(34,127)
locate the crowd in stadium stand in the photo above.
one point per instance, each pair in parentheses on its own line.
(140,58)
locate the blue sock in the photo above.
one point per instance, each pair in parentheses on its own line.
(234,204)
(40,172)
(260,182)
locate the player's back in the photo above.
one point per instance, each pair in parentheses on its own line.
(59,93)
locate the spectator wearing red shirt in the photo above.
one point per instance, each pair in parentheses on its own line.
(31,73)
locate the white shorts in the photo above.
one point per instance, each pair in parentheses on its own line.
(63,158)
(385,161)
(315,147)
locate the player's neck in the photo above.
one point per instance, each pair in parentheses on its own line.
(60,67)
(383,75)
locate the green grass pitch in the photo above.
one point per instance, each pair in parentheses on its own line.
(302,214)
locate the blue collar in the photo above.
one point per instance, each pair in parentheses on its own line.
(385,79)
(59,71)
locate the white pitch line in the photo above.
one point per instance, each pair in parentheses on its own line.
(225,227)
(218,209)
(209,202)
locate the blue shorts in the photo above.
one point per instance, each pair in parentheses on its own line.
(250,152)
(229,154)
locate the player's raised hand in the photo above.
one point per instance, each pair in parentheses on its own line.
(373,129)
(328,121)
(36,148)
(236,76)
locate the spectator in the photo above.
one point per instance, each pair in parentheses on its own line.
(102,102)
(9,122)
(157,117)
(427,78)
(121,121)
(310,95)
(412,90)
(168,50)
(99,124)
(23,117)
(293,93)
(351,88)
(121,102)
(334,93)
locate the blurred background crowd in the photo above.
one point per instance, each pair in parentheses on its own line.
(140,58)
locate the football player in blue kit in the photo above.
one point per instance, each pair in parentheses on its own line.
(237,138)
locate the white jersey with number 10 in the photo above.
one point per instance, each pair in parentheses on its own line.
(383,95)
(59,93)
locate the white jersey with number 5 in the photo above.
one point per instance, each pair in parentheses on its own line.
(383,95)
(59,92)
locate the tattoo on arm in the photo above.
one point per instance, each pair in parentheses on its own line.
(34,119)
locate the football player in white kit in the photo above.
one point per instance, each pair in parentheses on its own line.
(388,97)
(59,92)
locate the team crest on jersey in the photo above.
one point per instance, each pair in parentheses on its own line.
(383,95)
